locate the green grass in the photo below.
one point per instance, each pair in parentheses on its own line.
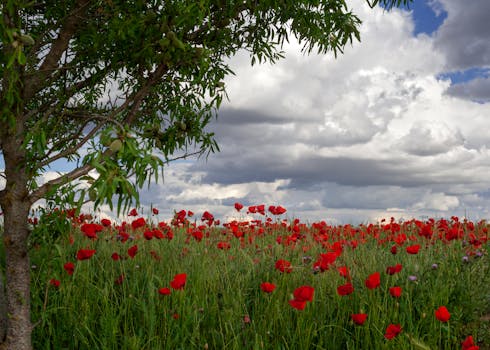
(223,307)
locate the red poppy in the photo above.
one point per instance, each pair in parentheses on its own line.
(393,249)
(119,280)
(90,230)
(164,291)
(442,314)
(396,292)
(392,331)
(267,287)
(345,289)
(106,222)
(391,270)
(132,251)
(297,304)
(238,206)
(115,256)
(133,212)
(155,211)
(469,344)
(304,293)
(179,281)
(84,254)
(207,216)
(154,255)
(344,271)
(140,222)
(190,213)
(325,260)
(224,245)
(69,267)
(198,235)
(359,319)
(148,234)
(373,281)
(413,249)
(54,282)
(283,266)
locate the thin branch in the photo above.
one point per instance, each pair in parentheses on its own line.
(41,191)
(59,46)
(71,150)
(140,95)
(183,156)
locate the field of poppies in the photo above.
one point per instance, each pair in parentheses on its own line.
(261,282)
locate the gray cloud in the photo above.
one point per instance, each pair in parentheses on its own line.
(477,90)
(427,138)
(463,36)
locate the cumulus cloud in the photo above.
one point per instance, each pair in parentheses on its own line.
(477,89)
(372,134)
(463,37)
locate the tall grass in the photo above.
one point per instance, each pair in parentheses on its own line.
(108,304)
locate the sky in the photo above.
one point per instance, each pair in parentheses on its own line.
(397,126)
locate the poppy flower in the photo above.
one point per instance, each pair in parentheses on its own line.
(393,249)
(115,256)
(238,206)
(344,271)
(119,280)
(442,314)
(132,251)
(392,331)
(283,266)
(154,255)
(391,270)
(90,230)
(325,260)
(345,289)
(69,267)
(373,281)
(106,222)
(396,292)
(84,254)
(179,281)
(207,216)
(54,282)
(164,291)
(413,249)
(133,212)
(140,222)
(304,293)
(469,344)
(155,211)
(267,287)
(148,234)
(223,245)
(359,319)
(297,304)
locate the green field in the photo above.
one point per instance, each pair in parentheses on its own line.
(196,284)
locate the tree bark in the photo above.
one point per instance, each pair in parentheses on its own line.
(17,272)
(3,310)
(15,204)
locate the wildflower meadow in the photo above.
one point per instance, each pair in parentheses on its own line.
(264,281)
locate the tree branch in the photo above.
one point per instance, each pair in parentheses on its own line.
(59,46)
(140,95)
(70,150)
(41,191)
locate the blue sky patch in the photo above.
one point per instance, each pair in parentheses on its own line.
(426,20)
(466,75)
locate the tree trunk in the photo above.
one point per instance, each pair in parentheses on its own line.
(17,272)
(3,309)
(15,203)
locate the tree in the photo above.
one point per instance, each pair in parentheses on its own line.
(115,89)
